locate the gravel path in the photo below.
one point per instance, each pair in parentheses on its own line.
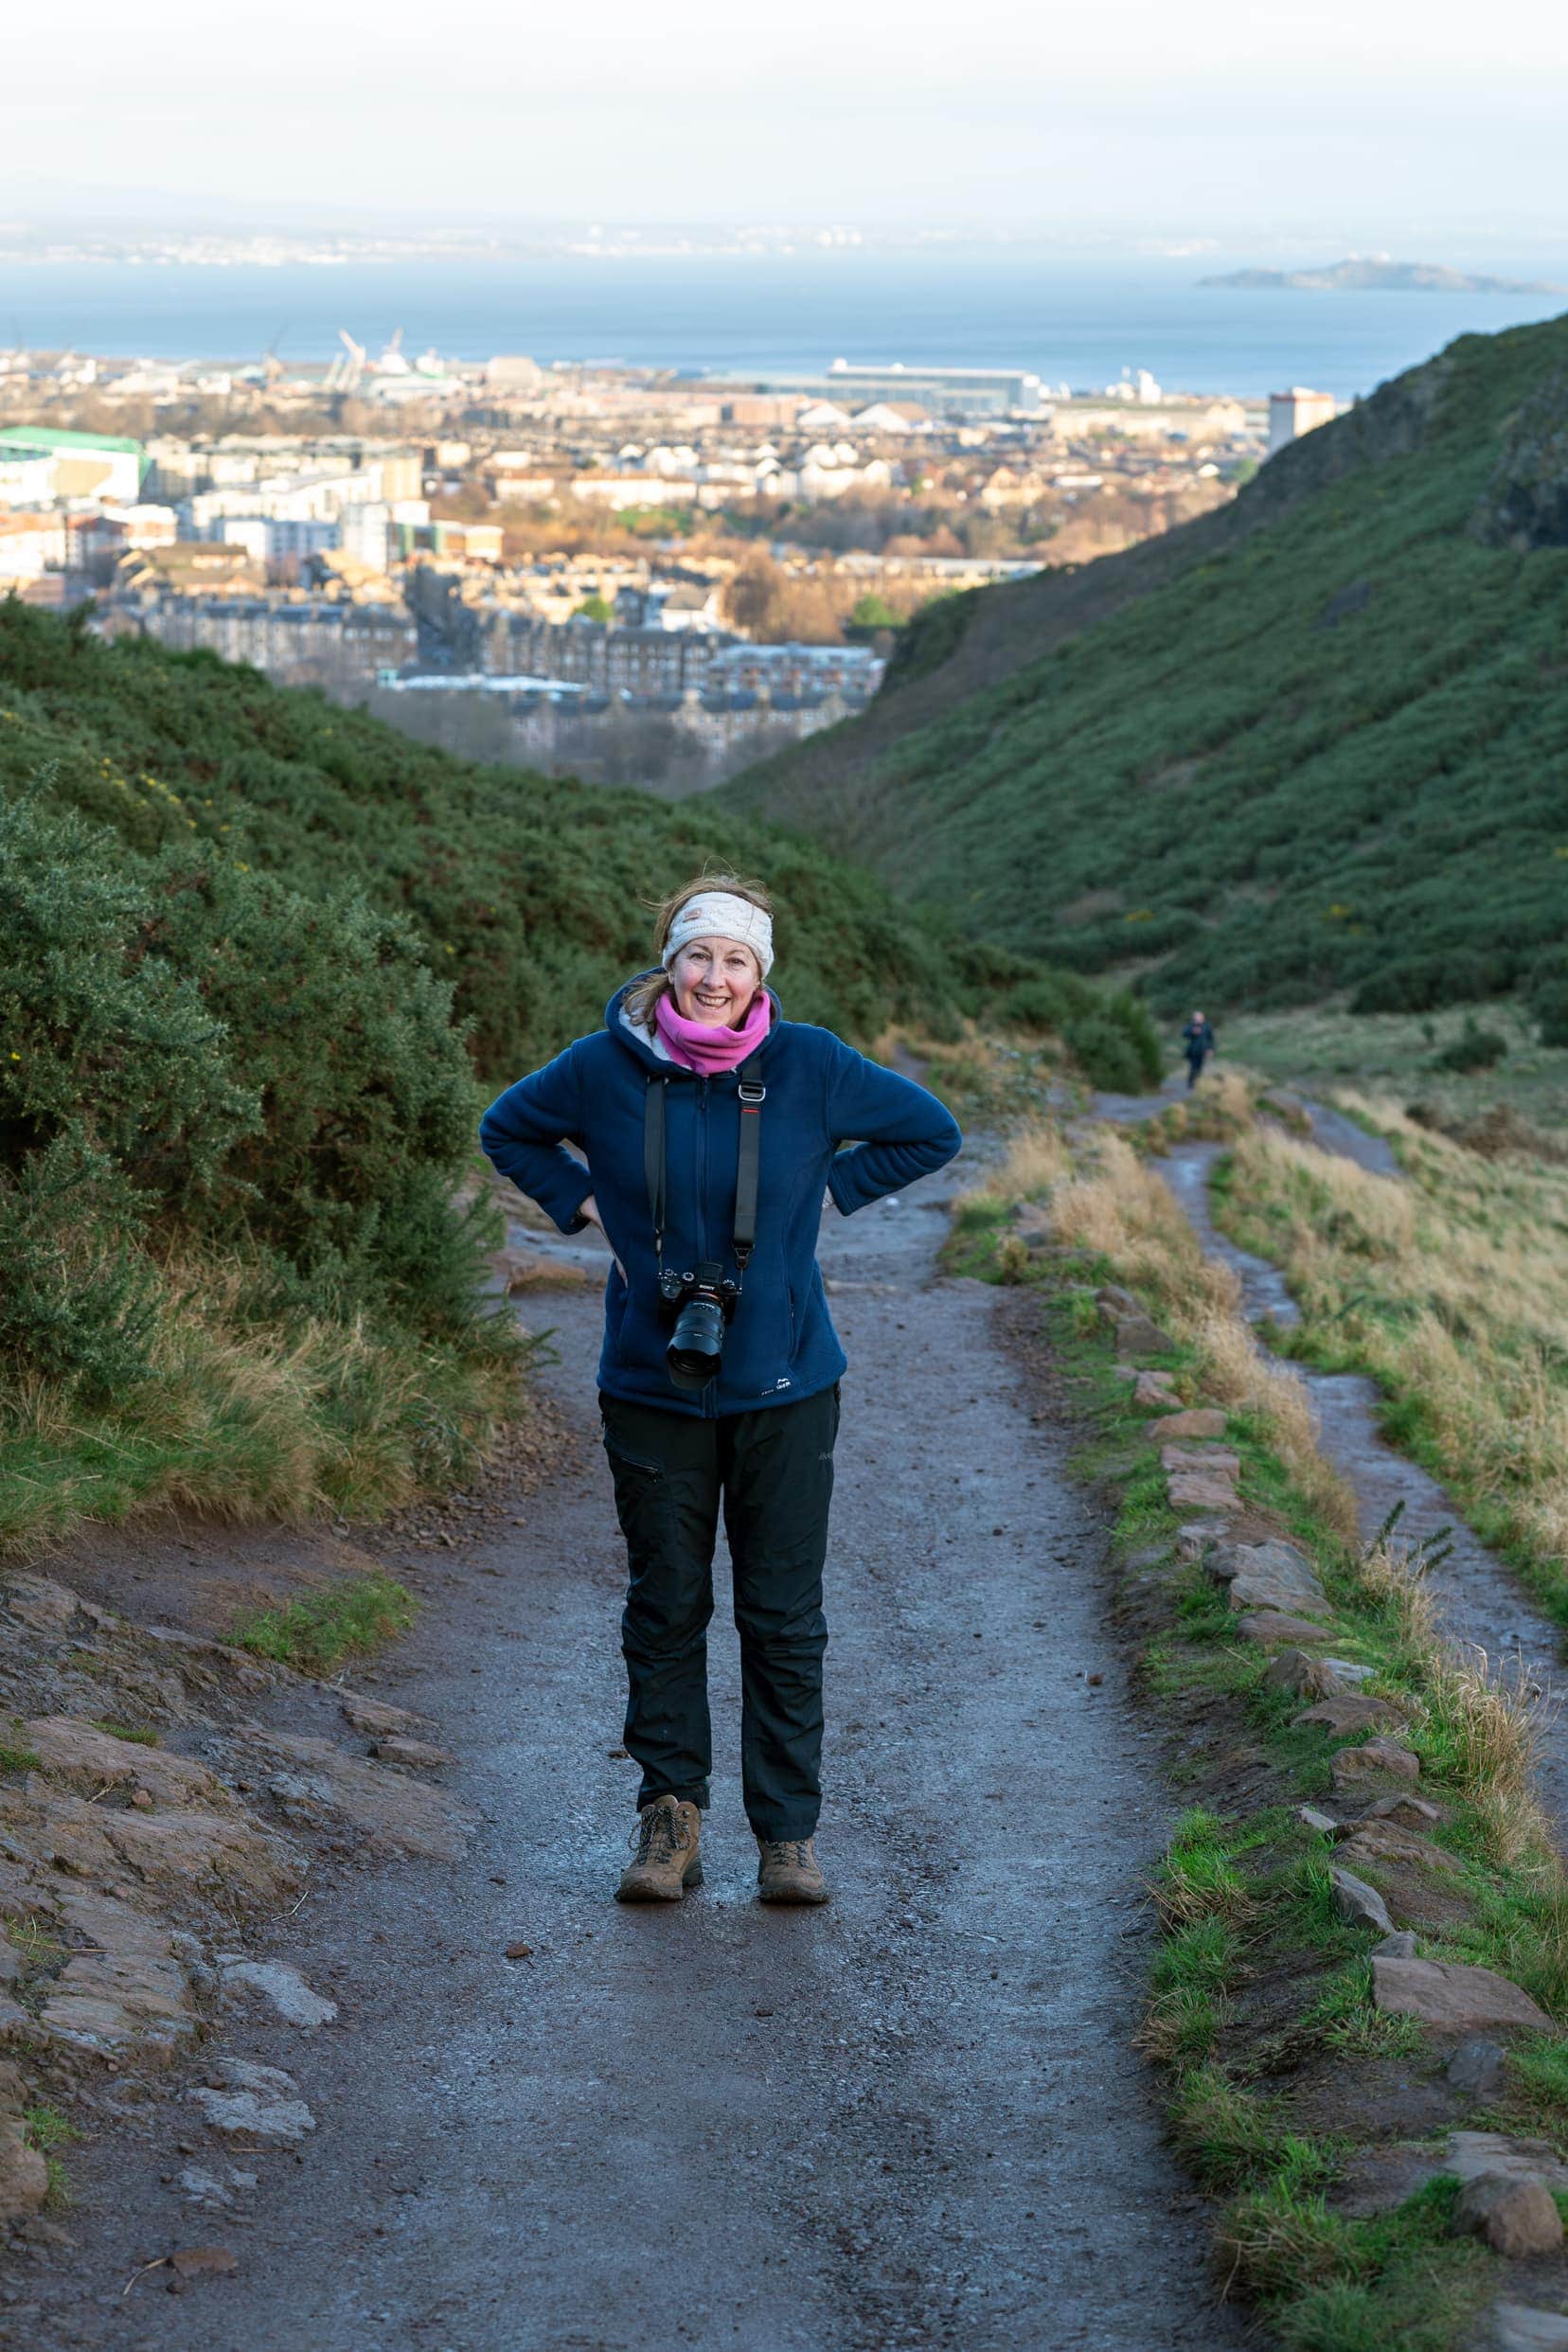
(912,2119)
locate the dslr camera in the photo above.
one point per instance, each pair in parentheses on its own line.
(702,1304)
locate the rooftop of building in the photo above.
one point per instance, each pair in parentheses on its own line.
(56,436)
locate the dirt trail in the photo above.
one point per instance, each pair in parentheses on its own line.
(911,2120)
(1479,1600)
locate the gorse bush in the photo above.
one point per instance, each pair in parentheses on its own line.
(1474,1048)
(193,1048)
(78,1298)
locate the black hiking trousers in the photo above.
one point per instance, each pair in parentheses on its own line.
(772,1472)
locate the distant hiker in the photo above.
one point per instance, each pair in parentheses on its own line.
(710,1126)
(1198,1043)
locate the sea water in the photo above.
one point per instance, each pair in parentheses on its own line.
(1076,319)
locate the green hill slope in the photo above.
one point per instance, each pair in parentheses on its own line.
(1315,741)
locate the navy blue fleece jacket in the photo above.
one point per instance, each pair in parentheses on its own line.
(781,1345)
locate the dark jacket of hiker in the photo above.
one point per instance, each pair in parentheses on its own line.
(781,1345)
(1198,1042)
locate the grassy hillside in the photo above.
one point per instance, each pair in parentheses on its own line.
(1315,742)
(260,962)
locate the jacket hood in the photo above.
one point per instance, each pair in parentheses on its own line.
(636,1044)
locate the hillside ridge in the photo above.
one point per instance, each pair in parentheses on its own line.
(1310,743)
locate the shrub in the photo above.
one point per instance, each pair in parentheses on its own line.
(1474,1048)
(191,1046)
(78,1298)
(1548,998)
(1115,1043)
(99,1033)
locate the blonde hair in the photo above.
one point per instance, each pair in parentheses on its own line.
(642,996)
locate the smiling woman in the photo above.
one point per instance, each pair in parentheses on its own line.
(711,1128)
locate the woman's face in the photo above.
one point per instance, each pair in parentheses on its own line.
(714,981)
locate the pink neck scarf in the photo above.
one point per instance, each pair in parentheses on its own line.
(698,1045)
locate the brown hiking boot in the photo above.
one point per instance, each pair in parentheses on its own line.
(665,1861)
(788,1871)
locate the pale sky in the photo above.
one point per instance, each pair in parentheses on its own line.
(1137,113)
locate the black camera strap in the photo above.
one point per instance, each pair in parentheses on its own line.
(747,1163)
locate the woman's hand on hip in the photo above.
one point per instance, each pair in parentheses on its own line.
(589,1209)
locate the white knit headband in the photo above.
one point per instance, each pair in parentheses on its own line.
(719,915)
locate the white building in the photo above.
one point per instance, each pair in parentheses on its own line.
(30,545)
(26,481)
(1299,411)
(81,465)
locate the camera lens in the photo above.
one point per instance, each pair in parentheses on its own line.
(697,1341)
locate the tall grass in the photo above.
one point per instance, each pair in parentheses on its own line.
(252,1418)
(1451,1288)
(1121,1209)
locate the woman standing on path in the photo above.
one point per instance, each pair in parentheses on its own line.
(711,1126)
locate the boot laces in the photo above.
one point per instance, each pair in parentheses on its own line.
(788,1853)
(660,1834)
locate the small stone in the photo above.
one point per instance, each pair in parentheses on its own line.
(1193,1540)
(373,1719)
(1218,1461)
(1139,1335)
(1195,1421)
(1300,1594)
(1294,1670)
(1405,1810)
(1150,1389)
(1386,1841)
(24,2175)
(204,2187)
(1358,1904)
(1349,1670)
(1351,1712)
(261,2101)
(1478,2067)
(277,1983)
(1113,1302)
(1470,2153)
(1234,1560)
(1196,1490)
(1310,1818)
(1516,2218)
(1268,1575)
(1400,1946)
(1269,1627)
(1452,1998)
(1351,1766)
(142,1799)
(393,1749)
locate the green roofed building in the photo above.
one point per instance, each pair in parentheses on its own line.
(86,465)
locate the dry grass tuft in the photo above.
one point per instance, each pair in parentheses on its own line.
(1452,1287)
(1122,1209)
(248,1419)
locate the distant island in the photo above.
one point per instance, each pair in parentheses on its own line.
(1377,273)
